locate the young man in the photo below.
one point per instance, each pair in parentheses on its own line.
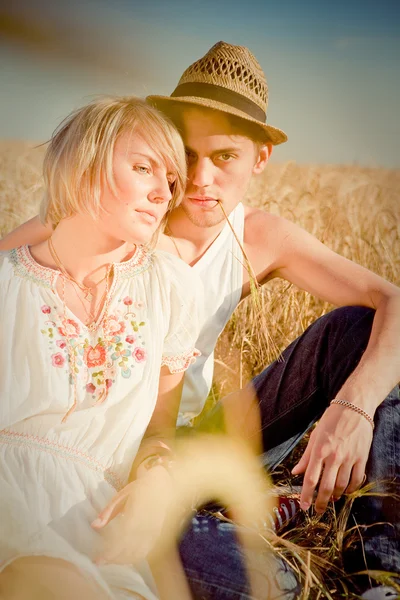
(342,371)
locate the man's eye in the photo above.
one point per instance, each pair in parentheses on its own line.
(226,157)
(190,156)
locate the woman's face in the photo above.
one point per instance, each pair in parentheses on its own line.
(142,192)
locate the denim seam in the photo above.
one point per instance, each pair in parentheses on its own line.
(291,408)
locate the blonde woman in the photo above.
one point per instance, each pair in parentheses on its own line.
(96,332)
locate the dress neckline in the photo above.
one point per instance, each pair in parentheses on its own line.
(27,266)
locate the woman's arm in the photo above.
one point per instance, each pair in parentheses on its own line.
(160,433)
(157,441)
(31,232)
(145,501)
(170,577)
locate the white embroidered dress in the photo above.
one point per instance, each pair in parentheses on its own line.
(55,475)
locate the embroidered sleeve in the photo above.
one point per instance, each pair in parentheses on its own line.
(180,362)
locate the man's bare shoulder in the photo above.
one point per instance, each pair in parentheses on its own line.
(264,240)
(261,227)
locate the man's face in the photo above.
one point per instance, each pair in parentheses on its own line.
(220,165)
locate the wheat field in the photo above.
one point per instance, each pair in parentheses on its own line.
(352,209)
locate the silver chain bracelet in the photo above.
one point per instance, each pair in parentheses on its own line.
(357,409)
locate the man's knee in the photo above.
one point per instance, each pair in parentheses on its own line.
(242,416)
(344,325)
(237,415)
(350,315)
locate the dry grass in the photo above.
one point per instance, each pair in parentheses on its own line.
(353,210)
(20,183)
(356,212)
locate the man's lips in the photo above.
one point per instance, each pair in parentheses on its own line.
(205,201)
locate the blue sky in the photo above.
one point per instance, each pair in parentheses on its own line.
(332,68)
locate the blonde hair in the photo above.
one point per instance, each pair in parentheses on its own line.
(78,160)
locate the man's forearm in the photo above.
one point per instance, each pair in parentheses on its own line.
(379,368)
(32,232)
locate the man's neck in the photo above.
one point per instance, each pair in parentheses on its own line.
(189,241)
(183,229)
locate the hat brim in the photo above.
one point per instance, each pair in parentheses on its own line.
(275,135)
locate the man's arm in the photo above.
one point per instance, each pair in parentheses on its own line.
(31,232)
(340,444)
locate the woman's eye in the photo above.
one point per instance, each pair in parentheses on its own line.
(171,178)
(142,169)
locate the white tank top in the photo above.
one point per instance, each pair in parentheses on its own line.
(221,270)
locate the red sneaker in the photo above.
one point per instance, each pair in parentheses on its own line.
(284,514)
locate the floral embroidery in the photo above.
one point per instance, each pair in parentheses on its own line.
(140,262)
(91,360)
(139,354)
(25,266)
(119,348)
(179,363)
(69,329)
(57,360)
(94,357)
(8,436)
(113,325)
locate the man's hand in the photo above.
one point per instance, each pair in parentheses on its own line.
(142,507)
(335,457)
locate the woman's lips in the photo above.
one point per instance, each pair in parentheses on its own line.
(148,217)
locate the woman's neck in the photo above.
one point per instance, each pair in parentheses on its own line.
(83,249)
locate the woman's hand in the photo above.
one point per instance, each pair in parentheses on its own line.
(141,508)
(335,457)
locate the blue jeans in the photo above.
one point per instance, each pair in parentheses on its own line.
(293,393)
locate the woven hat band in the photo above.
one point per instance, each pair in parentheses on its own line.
(220,94)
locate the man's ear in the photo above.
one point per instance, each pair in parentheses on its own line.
(262,158)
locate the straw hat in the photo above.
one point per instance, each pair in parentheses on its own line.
(230,79)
